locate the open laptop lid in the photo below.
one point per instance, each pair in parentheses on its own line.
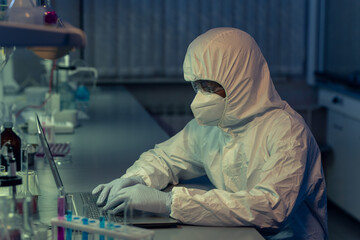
(144,219)
(48,154)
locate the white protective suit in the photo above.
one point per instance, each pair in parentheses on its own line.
(262,158)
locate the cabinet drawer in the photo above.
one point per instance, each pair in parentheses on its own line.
(342,171)
(340,103)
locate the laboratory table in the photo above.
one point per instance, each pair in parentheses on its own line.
(103,147)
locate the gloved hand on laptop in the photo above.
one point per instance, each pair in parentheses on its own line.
(140,197)
(110,190)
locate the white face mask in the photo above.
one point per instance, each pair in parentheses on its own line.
(208,108)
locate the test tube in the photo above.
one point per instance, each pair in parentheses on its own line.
(69,219)
(128,212)
(92,224)
(84,234)
(101,225)
(110,223)
(69,215)
(61,213)
(76,233)
(85,221)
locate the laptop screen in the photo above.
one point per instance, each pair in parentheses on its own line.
(142,219)
(48,154)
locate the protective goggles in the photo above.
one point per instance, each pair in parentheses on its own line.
(206,86)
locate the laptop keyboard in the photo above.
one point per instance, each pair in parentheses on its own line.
(93,211)
(89,200)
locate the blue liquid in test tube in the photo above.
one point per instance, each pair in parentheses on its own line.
(69,219)
(102,225)
(85,234)
(110,224)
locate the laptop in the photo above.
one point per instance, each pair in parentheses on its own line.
(84,203)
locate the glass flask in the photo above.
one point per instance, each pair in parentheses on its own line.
(25,11)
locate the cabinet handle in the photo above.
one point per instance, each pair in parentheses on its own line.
(337,100)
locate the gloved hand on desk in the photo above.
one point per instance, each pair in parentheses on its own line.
(141,197)
(109,190)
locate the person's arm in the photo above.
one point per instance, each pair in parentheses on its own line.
(269,203)
(170,161)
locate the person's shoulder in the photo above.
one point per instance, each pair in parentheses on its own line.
(285,122)
(287,117)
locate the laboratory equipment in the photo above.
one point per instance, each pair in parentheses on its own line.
(48,42)
(12,220)
(60,40)
(8,135)
(48,124)
(69,219)
(11,179)
(3,7)
(29,190)
(102,225)
(119,231)
(29,231)
(35,95)
(72,89)
(25,11)
(82,97)
(85,235)
(4,234)
(28,26)
(61,212)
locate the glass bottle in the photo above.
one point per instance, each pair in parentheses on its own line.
(9,136)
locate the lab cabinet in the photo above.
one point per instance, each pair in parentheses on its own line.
(342,166)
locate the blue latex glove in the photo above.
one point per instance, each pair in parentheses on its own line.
(141,197)
(110,190)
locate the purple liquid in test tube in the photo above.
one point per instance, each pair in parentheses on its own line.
(61,213)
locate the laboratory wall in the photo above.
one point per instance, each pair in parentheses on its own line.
(142,43)
(146,40)
(342,42)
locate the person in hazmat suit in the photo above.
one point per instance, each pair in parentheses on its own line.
(255,149)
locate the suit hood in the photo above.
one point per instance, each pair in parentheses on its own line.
(232,58)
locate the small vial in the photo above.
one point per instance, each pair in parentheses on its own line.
(85,235)
(110,223)
(128,212)
(93,225)
(102,225)
(68,230)
(76,233)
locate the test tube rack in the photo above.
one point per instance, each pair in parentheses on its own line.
(117,231)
